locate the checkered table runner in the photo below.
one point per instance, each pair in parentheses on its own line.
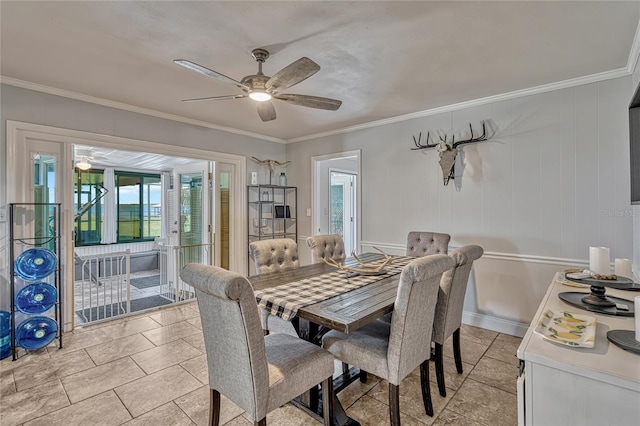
(285,300)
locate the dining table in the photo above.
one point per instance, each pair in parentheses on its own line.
(319,297)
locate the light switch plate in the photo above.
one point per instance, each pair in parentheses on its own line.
(308,212)
(254,178)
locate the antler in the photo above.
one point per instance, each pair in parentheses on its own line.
(366,268)
(480,138)
(419,144)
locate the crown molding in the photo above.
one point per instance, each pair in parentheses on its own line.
(635,51)
(131,108)
(593,78)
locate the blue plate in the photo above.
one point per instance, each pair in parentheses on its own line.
(36,332)
(35,263)
(36,298)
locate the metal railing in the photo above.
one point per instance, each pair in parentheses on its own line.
(103,290)
(172,260)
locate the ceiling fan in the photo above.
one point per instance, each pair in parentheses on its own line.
(262,88)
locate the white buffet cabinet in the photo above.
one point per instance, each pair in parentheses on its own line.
(561,385)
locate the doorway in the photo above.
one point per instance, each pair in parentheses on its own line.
(336,197)
(24,138)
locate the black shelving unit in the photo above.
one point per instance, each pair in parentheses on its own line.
(272,213)
(35,225)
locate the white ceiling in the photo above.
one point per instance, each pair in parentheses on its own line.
(382,59)
(100,157)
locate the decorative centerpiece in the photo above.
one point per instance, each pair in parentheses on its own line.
(365,268)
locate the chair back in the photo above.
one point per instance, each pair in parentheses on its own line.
(427,243)
(453,287)
(413,310)
(233,338)
(274,255)
(326,247)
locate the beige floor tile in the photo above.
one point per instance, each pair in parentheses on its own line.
(106,407)
(128,327)
(471,351)
(477,334)
(505,348)
(147,393)
(173,315)
(496,373)
(452,379)
(31,358)
(20,407)
(356,390)
(198,368)
(239,421)
(163,356)
(196,405)
(485,404)
(56,367)
(197,341)
(87,383)
(74,341)
(289,415)
(449,418)
(411,398)
(118,348)
(7,383)
(161,336)
(196,322)
(167,414)
(370,412)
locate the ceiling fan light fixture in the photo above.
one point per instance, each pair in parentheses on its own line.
(259,95)
(83,164)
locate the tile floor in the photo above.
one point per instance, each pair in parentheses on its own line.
(150,369)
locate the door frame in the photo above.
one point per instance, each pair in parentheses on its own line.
(18,133)
(315,191)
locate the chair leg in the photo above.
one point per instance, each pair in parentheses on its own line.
(394,404)
(363,376)
(426,388)
(214,407)
(345,367)
(262,422)
(437,358)
(327,401)
(456,350)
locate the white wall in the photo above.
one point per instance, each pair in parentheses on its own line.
(40,108)
(552,181)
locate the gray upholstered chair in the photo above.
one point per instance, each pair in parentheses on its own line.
(273,256)
(426,243)
(326,247)
(393,350)
(448,318)
(258,373)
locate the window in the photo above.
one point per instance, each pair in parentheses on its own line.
(138,210)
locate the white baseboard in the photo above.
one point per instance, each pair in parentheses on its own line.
(512,328)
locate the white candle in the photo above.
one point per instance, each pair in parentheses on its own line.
(637,306)
(623,268)
(599,260)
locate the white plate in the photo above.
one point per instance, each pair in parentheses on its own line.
(567,328)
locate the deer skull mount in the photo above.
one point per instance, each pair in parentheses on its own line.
(448,151)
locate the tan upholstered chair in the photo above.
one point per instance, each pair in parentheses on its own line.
(326,247)
(258,373)
(393,350)
(426,243)
(448,317)
(273,256)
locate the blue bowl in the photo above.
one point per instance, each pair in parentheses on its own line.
(35,263)
(36,332)
(36,298)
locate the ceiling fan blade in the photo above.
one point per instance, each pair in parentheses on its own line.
(266,111)
(310,101)
(292,74)
(215,98)
(206,71)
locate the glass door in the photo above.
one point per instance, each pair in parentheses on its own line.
(342,203)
